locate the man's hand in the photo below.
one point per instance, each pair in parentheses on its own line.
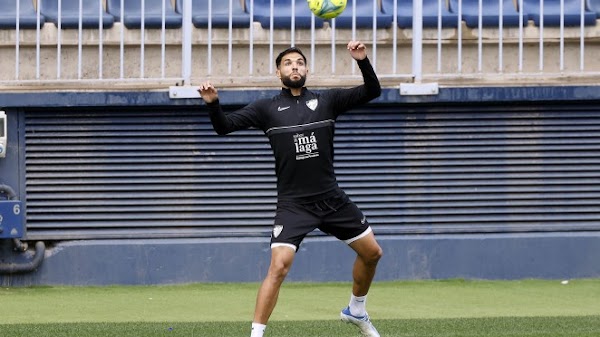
(357,50)
(208,92)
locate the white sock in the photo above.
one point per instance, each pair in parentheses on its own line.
(358,305)
(257,330)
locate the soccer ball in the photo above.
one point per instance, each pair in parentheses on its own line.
(327,9)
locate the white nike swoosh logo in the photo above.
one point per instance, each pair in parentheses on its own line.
(284,108)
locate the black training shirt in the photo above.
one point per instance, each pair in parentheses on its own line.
(300,131)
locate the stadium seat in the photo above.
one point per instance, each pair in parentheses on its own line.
(364,16)
(490,13)
(572,12)
(220,13)
(430,13)
(27,15)
(283,13)
(69,15)
(594,6)
(153,13)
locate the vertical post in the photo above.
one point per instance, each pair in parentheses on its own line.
(18,40)
(59,43)
(354,30)
(501,37)
(395,37)
(251,49)
(37,40)
(480,37)
(293,23)
(142,38)
(186,42)
(354,35)
(79,41)
(582,37)
(417,42)
(418,87)
(562,35)
(100,40)
(122,41)
(375,10)
(210,42)
(333,46)
(313,60)
(541,55)
(459,40)
(230,43)
(271,34)
(439,36)
(163,38)
(522,22)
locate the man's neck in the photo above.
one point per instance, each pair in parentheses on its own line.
(295,91)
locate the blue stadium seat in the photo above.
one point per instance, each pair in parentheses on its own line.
(594,6)
(153,13)
(283,13)
(572,13)
(490,13)
(70,13)
(27,15)
(364,16)
(220,13)
(430,13)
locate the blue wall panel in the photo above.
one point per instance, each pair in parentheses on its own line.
(494,256)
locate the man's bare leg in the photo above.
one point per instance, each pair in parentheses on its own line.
(281,262)
(368,254)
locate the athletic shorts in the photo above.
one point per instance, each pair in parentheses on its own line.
(335,215)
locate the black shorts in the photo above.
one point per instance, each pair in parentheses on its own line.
(336,215)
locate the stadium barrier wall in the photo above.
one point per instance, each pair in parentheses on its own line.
(561,251)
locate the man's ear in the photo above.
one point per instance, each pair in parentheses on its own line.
(278,73)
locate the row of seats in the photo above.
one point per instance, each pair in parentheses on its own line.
(131,13)
(490,10)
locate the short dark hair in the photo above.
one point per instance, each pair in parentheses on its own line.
(288,51)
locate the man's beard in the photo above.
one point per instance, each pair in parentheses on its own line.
(288,82)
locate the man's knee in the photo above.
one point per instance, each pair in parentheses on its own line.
(280,265)
(376,254)
(372,255)
(279,270)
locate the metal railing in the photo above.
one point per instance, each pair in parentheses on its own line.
(158,55)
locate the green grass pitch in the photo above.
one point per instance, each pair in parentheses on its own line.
(536,308)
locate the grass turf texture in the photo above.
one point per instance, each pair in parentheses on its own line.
(419,308)
(586,326)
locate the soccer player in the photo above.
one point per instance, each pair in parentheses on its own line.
(300,126)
